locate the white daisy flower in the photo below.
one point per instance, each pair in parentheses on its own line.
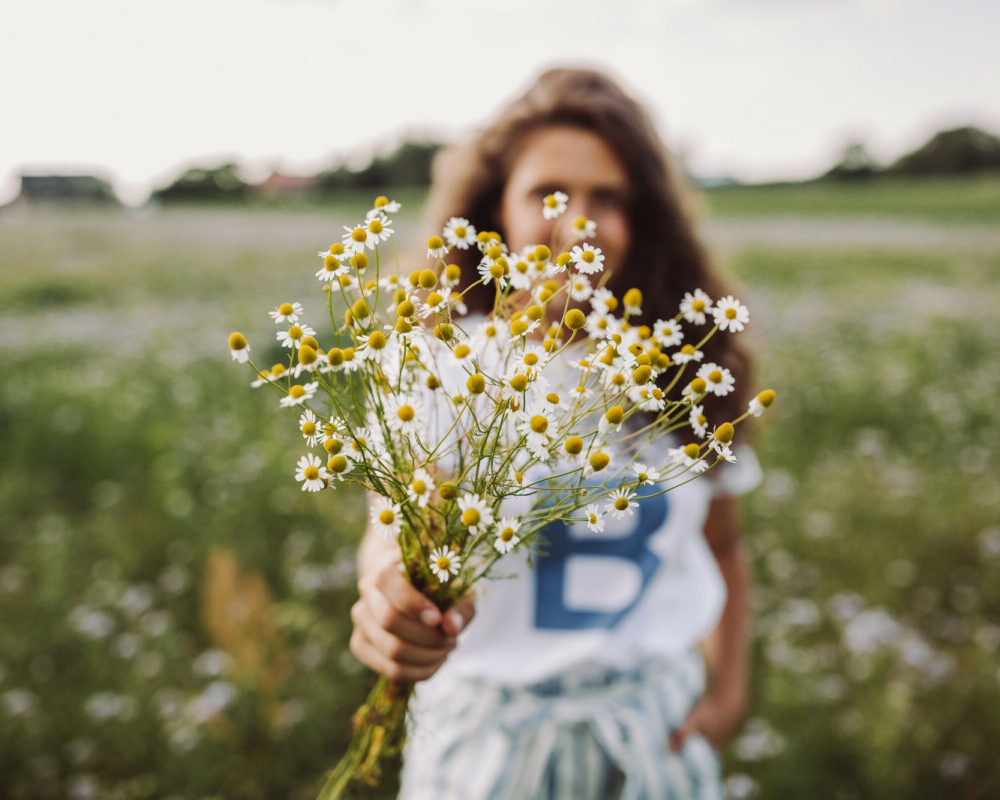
(587,259)
(645,474)
(286,312)
(386,516)
(695,306)
(584,228)
(239,349)
(688,457)
(379,230)
(310,430)
(458,306)
(298,394)
(667,333)
(487,267)
(730,314)
(620,503)
(595,518)
(444,563)
(476,515)
(459,233)
(698,421)
(507,538)
(759,404)
(312,474)
(436,248)
(519,273)
(332,268)
(294,335)
(376,347)
(554,205)
(599,322)
(420,487)
(357,238)
(719,380)
(686,354)
(580,288)
(383,205)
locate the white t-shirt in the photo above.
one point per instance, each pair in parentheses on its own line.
(647,586)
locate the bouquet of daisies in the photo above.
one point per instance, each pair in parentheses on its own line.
(449,420)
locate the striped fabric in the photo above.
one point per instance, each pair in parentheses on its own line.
(579,737)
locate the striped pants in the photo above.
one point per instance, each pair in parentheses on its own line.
(601,736)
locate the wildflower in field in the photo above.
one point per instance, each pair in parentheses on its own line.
(294,335)
(490,270)
(688,457)
(760,403)
(459,233)
(719,380)
(695,306)
(311,472)
(238,347)
(476,514)
(309,427)
(633,302)
(698,421)
(620,503)
(595,518)
(382,205)
(420,488)
(645,474)
(554,205)
(332,268)
(298,394)
(286,312)
(730,314)
(358,238)
(507,538)
(444,563)
(587,259)
(436,247)
(580,288)
(584,228)
(687,354)
(667,333)
(386,516)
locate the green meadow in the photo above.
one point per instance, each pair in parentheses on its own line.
(174,611)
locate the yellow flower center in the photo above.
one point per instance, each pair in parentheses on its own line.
(277,369)
(295,332)
(531,359)
(333,446)
(542,254)
(337,464)
(539,423)
(309,428)
(359,235)
(419,487)
(387,517)
(376,341)
(588,256)
(507,534)
(470,517)
(580,223)
(285,309)
(435,243)
(336,249)
(730,313)
(406,413)
(476,384)
(621,503)
(724,433)
(574,444)
(599,461)
(615,414)
(237,341)
(460,231)
(551,201)
(461,351)
(443,563)
(692,450)
(519,383)
(715,376)
(375,226)
(698,305)
(642,476)
(297,391)
(310,473)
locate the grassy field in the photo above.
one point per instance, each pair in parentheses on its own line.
(173,611)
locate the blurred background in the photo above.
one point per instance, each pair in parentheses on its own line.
(174,611)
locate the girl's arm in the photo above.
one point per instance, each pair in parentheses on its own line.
(719,713)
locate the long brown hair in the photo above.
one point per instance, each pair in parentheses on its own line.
(665,259)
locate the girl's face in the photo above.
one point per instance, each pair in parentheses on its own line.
(579,163)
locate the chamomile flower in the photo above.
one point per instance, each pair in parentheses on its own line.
(489,270)
(758,405)
(687,354)
(383,205)
(554,205)
(436,248)
(286,312)
(294,335)
(357,238)
(688,457)
(580,288)
(584,228)
(587,259)
(507,537)
(595,518)
(698,421)
(620,503)
(238,347)
(376,347)
(667,333)
(312,474)
(730,314)
(459,233)
(644,474)
(298,394)
(475,515)
(332,268)
(695,306)
(386,516)
(444,563)
(379,230)
(420,487)
(309,427)
(719,380)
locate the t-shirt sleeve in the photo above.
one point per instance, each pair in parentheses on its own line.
(733,480)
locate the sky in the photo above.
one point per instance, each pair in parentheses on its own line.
(138,90)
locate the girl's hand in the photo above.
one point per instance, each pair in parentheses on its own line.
(400,633)
(714,716)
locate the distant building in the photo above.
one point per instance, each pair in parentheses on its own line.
(58,189)
(280,185)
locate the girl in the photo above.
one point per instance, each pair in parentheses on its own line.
(614,664)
